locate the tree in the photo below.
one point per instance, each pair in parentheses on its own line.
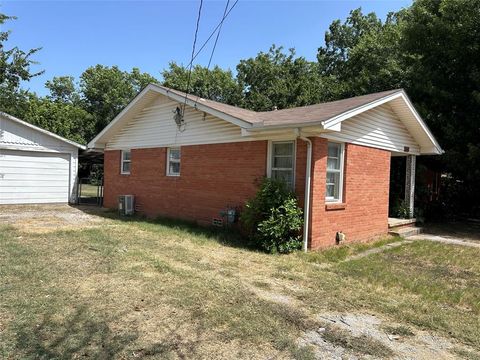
(14,63)
(62,89)
(363,55)
(64,119)
(215,84)
(276,79)
(442,40)
(107,90)
(14,68)
(431,49)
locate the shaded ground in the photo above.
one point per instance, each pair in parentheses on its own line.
(466,230)
(79,285)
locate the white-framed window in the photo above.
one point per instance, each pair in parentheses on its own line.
(173,161)
(282,161)
(335,159)
(126,162)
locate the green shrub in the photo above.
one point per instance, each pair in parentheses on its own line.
(272,219)
(401,210)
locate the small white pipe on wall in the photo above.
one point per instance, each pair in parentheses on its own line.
(306,211)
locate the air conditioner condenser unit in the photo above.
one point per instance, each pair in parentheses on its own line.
(126,204)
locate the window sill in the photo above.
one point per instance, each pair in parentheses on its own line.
(335,206)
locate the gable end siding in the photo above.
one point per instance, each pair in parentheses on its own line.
(379,128)
(154,127)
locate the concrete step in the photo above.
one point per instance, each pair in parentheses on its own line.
(406,231)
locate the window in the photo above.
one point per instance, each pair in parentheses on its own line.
(173,162)
(126,162)
(334,172)
(282,161)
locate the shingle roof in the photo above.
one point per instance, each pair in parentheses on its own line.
(305,114)
(319,112)
(235,111)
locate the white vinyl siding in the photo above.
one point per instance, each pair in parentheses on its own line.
(28,177)
(334,179)
(379,128)
(154,127)
(35,167)
(282,161)
(173,161)
(126,162)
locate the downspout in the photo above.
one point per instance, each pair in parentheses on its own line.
(306,212)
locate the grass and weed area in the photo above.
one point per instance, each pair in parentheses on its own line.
(163,289)
(342,252)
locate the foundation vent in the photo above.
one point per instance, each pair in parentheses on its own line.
(217,222)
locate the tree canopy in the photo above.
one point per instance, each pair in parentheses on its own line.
(278,79)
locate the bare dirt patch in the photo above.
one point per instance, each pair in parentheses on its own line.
(353,336)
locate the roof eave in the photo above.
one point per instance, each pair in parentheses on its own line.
(261,127)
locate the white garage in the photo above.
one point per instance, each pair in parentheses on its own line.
(36,166)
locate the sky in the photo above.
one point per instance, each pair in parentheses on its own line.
(75,35)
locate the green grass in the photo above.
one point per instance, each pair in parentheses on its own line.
(342,252)
(170,289)
(88,190)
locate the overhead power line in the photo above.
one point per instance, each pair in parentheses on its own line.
(193,53)
(218,33)
(213,32)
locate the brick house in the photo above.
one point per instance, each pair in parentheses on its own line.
(191,158)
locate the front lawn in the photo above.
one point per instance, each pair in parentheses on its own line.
(139,289)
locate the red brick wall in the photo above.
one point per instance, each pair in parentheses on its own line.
(213,177)
(216,176)
(364,211)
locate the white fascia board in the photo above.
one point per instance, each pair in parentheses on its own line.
(32,148)
(437,147)
(287,131)
(100,148)
(336,127)
(43,131)
(261,127)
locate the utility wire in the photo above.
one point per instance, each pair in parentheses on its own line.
(218,34)
(213,33)
(193,54)
(215,45)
